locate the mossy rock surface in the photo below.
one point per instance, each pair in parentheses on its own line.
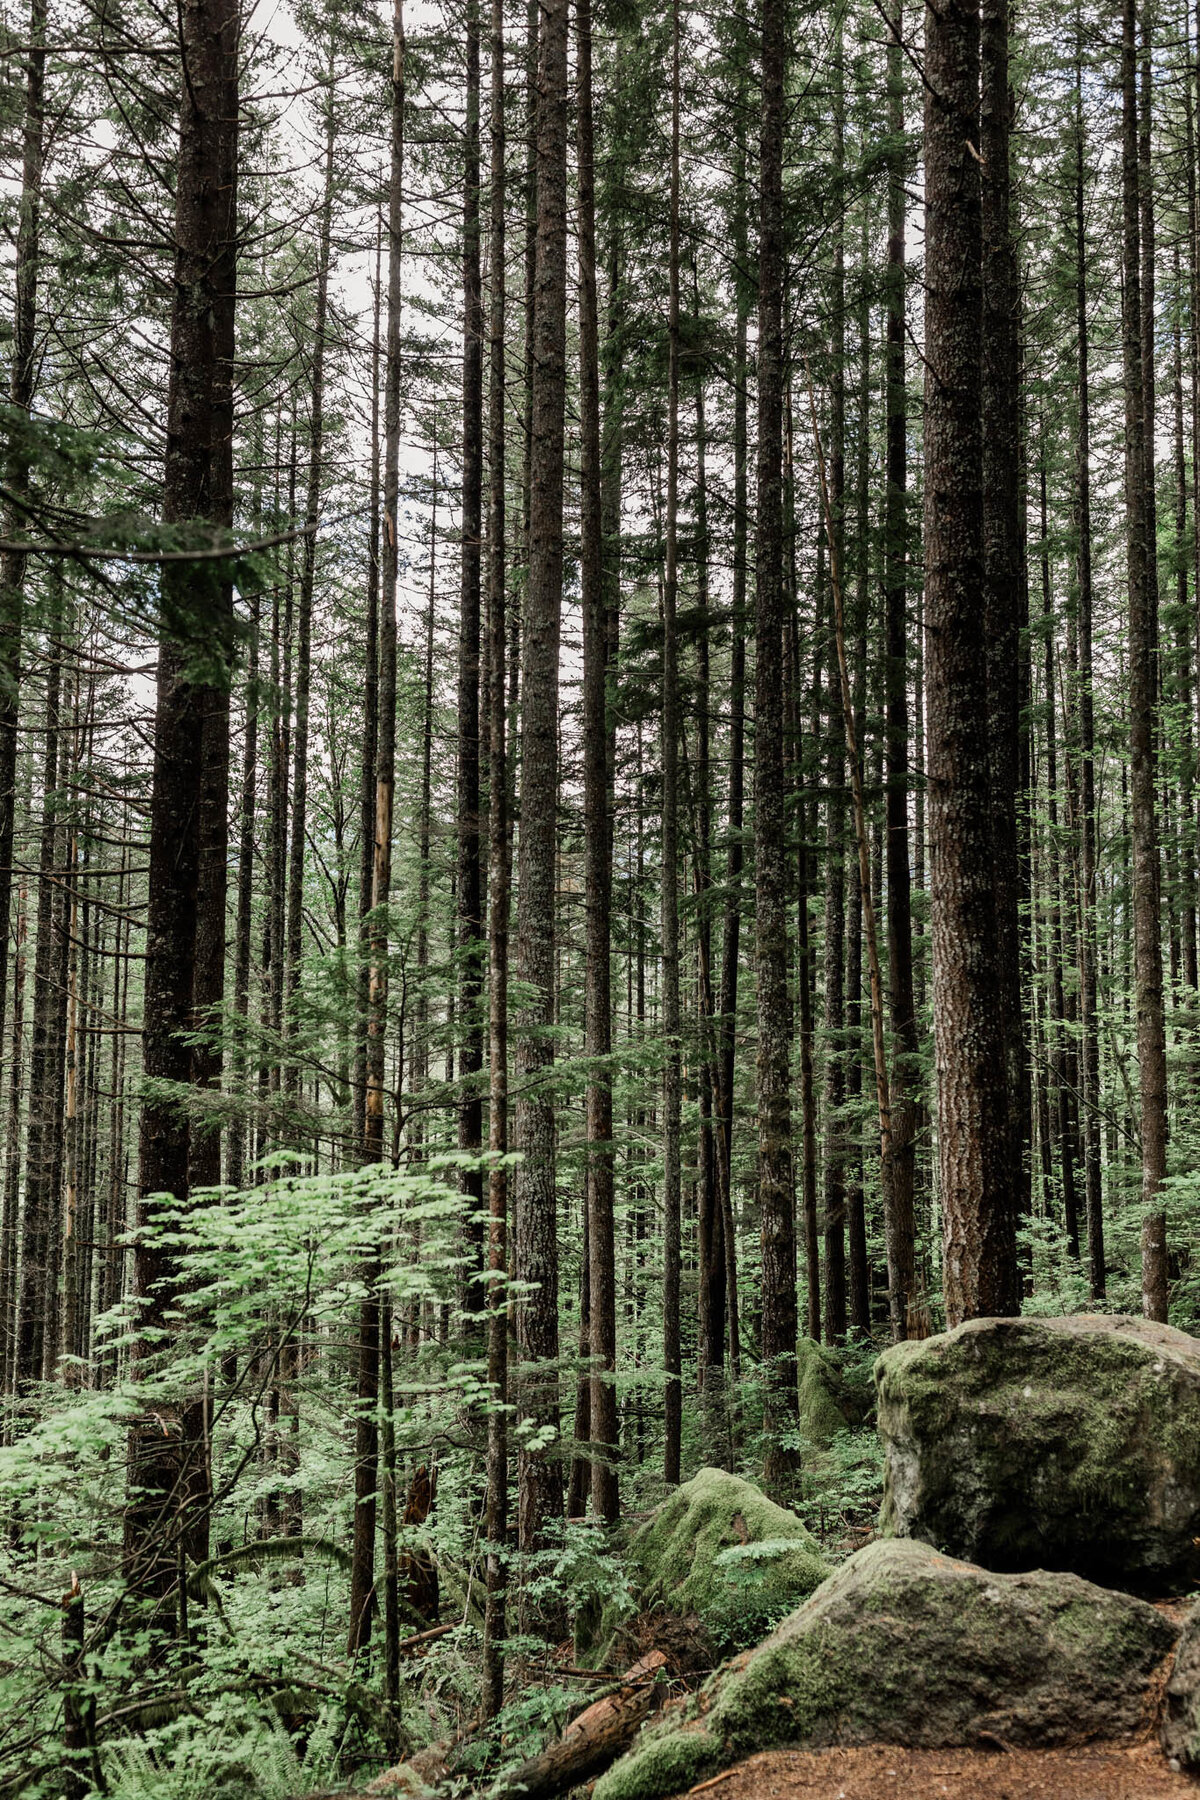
(833,1395)
(1071,1443)
(720,1549)
(1181,1713)
(906,1646)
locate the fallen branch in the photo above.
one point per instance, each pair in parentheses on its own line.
(592,1741)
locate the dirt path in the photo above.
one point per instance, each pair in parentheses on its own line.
(1100,1772)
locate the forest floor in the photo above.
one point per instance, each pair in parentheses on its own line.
(1096,1772)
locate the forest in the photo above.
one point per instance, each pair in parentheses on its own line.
(599,858)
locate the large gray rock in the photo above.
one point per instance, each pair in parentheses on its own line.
(905,1646)
(1069,1443)
(1181,1710)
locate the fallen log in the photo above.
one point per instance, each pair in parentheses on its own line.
(593,1740)
(590,1742)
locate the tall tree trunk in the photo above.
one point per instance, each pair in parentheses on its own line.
(168,1476)
(1088,939)
(9,1264)
(298,842)
(366,861)
(1057,1060)
(1002,552)
(835,810)
(536,1239)
(672,1069)
(979,1263)
(899,1225)
(732,922)
(856,1211)
(469,885)
(236,1141)
(773,1070)
(498,904)
(1147,951)
(1183,669)
(597,779)
(366,1432)
(38,1274)
(20,393)
(710,1233)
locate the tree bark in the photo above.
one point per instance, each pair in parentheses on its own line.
(21,387)
(899,1225)
(168,1471)
(1147,952)
(1088,940)
(498,904)
(469,884)
(835,806)
(536,1239)
(979,1228)
(773,1069)
(38,1274)
(731,924)
(366,864)
(597,803)
(366,1439)
(672,1069)
(1002,551)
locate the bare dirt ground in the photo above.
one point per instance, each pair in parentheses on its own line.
(1095,1772)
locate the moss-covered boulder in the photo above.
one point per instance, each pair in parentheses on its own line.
(905,1646)
(1181,1712)
(835,1393)
(719,1549)
(1069,1443)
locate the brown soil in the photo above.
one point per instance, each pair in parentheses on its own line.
(1098,1772)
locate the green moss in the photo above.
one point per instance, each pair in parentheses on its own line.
(719,1548)
(820,1414)
(903,1645)
(1070,1441)
(835,1392)
(660,1765)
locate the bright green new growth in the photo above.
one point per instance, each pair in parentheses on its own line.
(720,1549)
